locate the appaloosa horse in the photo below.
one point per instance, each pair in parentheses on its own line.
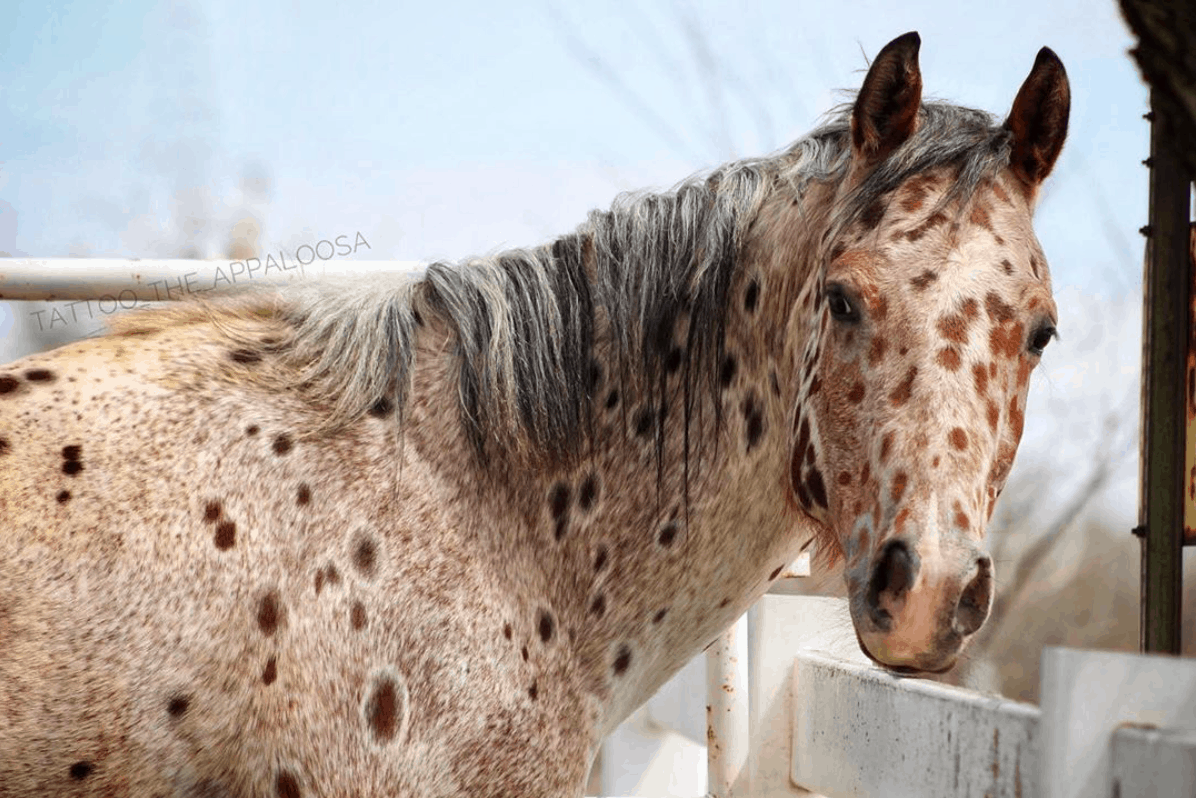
(438,536)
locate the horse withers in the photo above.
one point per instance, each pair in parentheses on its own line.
(439,535)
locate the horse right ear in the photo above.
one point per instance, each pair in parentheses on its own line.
(886,109)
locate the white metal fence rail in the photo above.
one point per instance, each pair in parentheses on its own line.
(817,716)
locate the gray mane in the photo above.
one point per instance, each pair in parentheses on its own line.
(524,320)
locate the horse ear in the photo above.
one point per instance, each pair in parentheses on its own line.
(886,109)
(1038,120)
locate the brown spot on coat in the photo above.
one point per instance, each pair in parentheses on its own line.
(958,438)
(954,328)
(622,659)
(212,511)
(998,309)
(856,394)
(886,444)
(382,710)
(924,279)
(365,556)
(598,606)
(357,615)
(287,786)
(932,222)
(948,357)
(876,351)
(282,444)
(980,374)
(899,481)
(8,384)
(547,626)
(39,375)
(63,496)
(905,388)
(270,672)
(269,613)
(226,535)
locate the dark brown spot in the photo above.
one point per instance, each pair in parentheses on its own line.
(287,786)
(365,556)
(303,496)
(1007,266)
(817,487)
(954,328)
(776,383)
(594,376)
(72,453)
(622,659)
(958,438)
(873,214)
(244,356)
(72,467)
(980,373)
(612,400)
(970,309)
(924,279)
(659,616)
(899,481)
(994,415)
(844,478)
(39,375)
(270,672)
(600,559)
(252,429)
(177,706)
(81,770)
(523,651)
(998,310)
(212,511)
(776,572)
(226,535)
(588,494)
(961,519)
(856,394)
(382,710)
(667,535)
(949,358)
(282,444)
(357,615)
(726,602)
(269,613)
(726,372)
(935,462)
(63,496)
(8,384)
(598,606)
(546,626)
(533,692)
(905,388)
(673,361)
(751,296)
(506,631)
(643,421)
(934,221)
(886,444)
(558,500)
(876,351)
(381,408)
(754,419)
(4,445)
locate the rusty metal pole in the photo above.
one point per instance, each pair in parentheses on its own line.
(727,719)
(1166,332)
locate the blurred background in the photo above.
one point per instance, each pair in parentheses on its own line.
(442,130)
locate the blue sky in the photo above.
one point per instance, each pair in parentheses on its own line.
(442,130)
(445,129)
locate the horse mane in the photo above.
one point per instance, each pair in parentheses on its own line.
(524,320)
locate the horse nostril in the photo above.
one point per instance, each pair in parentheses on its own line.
(892,577)
(973,605)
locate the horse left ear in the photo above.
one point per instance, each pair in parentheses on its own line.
(1038,120)
(886,109)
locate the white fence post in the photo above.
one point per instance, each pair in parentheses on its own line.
(727,731)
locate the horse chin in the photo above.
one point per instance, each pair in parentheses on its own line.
(902,670)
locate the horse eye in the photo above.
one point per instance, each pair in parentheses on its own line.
(1042,337)
(839,305)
